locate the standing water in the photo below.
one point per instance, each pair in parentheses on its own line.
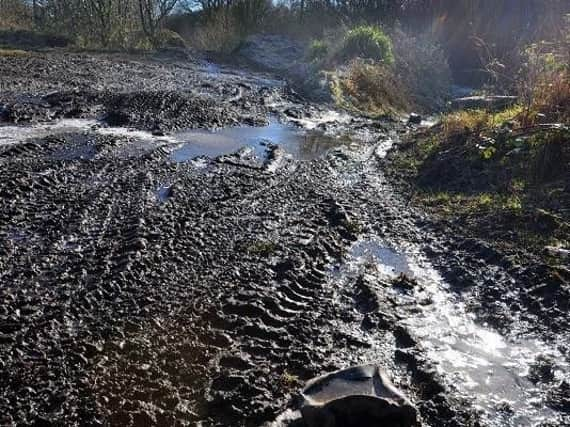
(302,144)
(484,367)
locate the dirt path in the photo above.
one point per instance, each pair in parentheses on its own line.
(215,298)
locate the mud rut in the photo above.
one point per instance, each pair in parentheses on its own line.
(211,306)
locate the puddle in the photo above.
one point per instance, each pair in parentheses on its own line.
(16,134)
(164,192)
(484,367)
(388,260)
(301,144)
(78,147)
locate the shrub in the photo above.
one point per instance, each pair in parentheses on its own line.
(219,33)
(368,42)
(421,64)
(475,121)
(544,81)
(169,38)
(318,50)
(372,89)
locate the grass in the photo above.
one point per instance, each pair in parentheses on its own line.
(368,42)
(13,53)
(318,50)
(465,203)
(263,248)
(372,89)
(485,170)
(290,381)
(470,121)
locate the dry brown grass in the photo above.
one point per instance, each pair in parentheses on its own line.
(373,88)
(220,33)
(476,121)
(544,80)
(551,96)
(12,53)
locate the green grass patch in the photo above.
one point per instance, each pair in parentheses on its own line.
(478,120)
(368,42)
(318,50)
(506,183)
(263,248)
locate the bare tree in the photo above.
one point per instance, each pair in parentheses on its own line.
(152,14)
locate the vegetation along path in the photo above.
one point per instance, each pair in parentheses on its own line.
(154,273)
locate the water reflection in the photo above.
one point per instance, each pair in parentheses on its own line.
(483,365)
(301,144)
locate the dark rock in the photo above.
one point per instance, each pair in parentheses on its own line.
(415,119)
(542,370)
(358,396)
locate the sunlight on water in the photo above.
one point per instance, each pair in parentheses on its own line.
(298,142)
(483,365)
(14,134)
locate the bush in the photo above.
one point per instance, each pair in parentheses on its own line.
(169,38)
(422,66)
(368,42)
(372,89)
(476,121)
(219,33)
(28,39)
(543,83)
(318,50)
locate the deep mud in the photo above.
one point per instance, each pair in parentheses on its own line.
(141,290)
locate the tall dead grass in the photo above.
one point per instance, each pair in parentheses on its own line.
(219,33)
(373,88)
(544,81)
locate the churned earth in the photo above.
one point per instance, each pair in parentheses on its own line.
(156,273)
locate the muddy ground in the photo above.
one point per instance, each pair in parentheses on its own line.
(211,301)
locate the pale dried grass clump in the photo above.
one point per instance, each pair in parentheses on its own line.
(373,88)
(220,33)
(422,66)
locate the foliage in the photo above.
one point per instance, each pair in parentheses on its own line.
(220,33)
(371,88)
(368,42)
(92,23)
(420,78)
(422,66)
(262,248)
(475,121)
(543,82)
(318,50)
(169,38)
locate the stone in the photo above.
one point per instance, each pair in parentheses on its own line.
(415,119)
(357,396)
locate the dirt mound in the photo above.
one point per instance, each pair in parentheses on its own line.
(166,110)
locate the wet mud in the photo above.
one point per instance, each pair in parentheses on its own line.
(138,289)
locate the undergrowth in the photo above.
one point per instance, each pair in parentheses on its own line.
(384,73)
(488,170)
(368,42)
(371,89)
(13,53)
